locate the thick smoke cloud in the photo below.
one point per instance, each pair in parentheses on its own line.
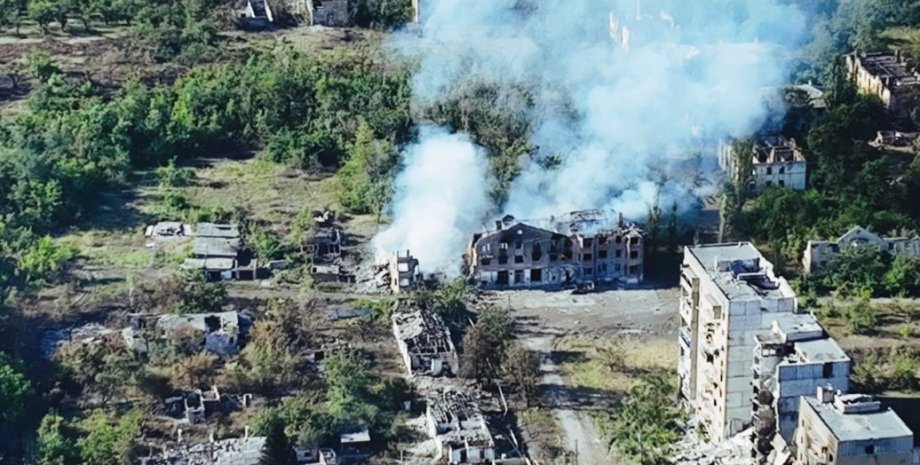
(621,89)
(441,194)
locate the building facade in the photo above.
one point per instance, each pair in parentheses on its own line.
(818,254)
(887,76)
(791,361)
(776,162)
(729,295)
(853,429)
(579,247)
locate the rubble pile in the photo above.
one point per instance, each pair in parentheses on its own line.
(696,450)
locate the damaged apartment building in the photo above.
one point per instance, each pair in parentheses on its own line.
(424,342)
(793,360)
(585,246)
(459,429)
(776,162)
(888,76)
(728,294)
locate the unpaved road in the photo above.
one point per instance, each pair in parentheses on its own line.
(544,316)
(579,434)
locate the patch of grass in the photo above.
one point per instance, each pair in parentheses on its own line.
(615,364)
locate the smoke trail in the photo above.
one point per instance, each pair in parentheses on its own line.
(620,88)
(442,192)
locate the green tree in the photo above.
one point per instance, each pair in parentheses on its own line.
(369,159)
(903,277)
(15,390)
(861,317)
(277,449)
(44,12)
(645,426)
(521,368)
(110,442)
(43,261)
(266,245)
(53,447)
(484,344)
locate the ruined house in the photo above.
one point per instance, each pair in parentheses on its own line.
(582,246)
(166,231)
(332,13)
(776,162)
(218,333)
(255,14)
(233,451)
(424,342)
(888,76)
(728,295)
(850,429)
(459,429)
(818,254)
(403,272)
(216,252)
(791,362)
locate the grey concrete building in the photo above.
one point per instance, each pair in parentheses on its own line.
(459,429)
(424,342)
(853,429)
(729,295)
(582,246)
(791,361)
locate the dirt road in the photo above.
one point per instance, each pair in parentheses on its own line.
(545,316)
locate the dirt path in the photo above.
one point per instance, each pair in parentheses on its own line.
(579,435)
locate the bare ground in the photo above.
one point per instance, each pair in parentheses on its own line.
(545,318)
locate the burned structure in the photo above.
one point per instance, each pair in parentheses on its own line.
(255,14)
(850,429)
(776,162)
(400,273)
(218,333)
(325,250)
(424,342)
(818,254)
(216,251)
(459,429)
(888,76)
(579,247)
(728,295)
(166,231)
(792,361)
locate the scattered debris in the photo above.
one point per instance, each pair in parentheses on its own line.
(424,342)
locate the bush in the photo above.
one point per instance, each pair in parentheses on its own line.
(645,425)
(860,317)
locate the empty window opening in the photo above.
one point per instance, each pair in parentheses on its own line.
(518,259)
(601,254)
(536,275)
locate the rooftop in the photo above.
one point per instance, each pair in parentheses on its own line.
(217,230)
(741,271)
(820,350)
(876,423)
(423,331)
(776,149)
(889,66)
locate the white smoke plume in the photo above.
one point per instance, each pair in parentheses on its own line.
(620,88)
(441,195)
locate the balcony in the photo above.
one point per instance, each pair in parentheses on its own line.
(685,336)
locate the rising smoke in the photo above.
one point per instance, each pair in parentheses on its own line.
(620,88)
(441,195)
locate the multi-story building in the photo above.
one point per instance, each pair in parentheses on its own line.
(853,429)
(888,76)
(729,295)
(819,254)
(776,162)
(579,247)
(791,361)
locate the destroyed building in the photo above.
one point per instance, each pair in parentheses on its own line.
(166,231)
(791,362)
(424,342)
(233,451)
(402,272)
(332,13)
(818,254)
(216,252)
(579,247)
(218,333)
(728,294)
(888,76)
(459,429)
(776,162)
(255,14)
(850,429)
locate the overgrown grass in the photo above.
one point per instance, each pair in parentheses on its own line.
(615,364)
